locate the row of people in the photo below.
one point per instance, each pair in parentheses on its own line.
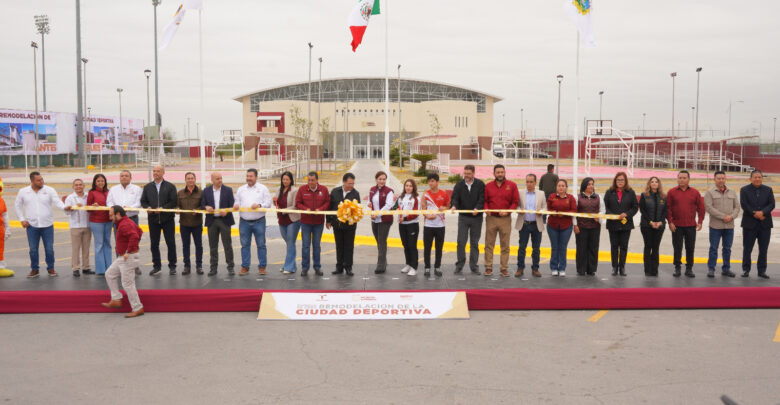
(683,208)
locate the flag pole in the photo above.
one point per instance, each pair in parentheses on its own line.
(387,94)
(200,127)
(576,116)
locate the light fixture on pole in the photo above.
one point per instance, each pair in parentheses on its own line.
(503,124)
(148,73)
(35,84)
(308,122)
(674,144)
(522,126)
(601,99)
(319,118)
(42,23)
(157,117)
(696,123)
(558,127)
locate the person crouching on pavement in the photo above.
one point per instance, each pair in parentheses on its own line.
(128,234)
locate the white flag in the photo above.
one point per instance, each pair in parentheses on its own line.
(192,4)
(581,13)
(172,27)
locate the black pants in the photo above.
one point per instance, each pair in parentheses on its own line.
(409,235)
(216,230)
(168,229)
(619,243)
(587,250)
(748,241)
(652,238)
(429,234)
(685,234)
(196,233)
(469,229)
(345,246)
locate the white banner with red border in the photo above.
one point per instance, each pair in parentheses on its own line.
(363,305)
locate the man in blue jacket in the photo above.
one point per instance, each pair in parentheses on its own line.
(214,197)
(757,202)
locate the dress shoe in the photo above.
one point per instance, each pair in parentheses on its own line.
(728,273)
(458,270)
(135,313)
(437,273)
(536,273)
(590,273)
(213,272)
(763,275)
(337,271)
(76,273)
(677,273)
(261,271)
(744,274)
(304,273)
(614,271)
(113,304)
(349,272)
(427,272)
(379,271)
(475,272)
(33,274)
(87,271)
(689,274)
(199,270)
(186,271)
(244,271)
(52,273)
(711,273)
(155,271)
(519,273)
(580,273)
(504,273)
(231,272)
(622,271)
(488,272)
(172,271)
(318,272)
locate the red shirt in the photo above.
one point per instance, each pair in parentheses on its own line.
(98,197)
(128,234)
(317,200)
(505,197)
(281,202)
(683,206)
(560,204)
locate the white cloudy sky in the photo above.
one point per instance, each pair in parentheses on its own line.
(510,48)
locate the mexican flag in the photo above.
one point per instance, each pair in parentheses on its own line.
(358,19)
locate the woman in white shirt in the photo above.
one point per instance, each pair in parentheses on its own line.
(80,234)
(409,225)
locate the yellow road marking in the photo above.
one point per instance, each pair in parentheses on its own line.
(777,334)
(597,315)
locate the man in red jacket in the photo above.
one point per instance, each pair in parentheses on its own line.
(683,204)
(312,197)
(128,234)
(499,194)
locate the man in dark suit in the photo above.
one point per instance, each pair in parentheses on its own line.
(343,233)
(160,194)
(217,196)
(757,202)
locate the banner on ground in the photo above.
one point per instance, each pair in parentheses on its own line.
(363,305)
(57,133)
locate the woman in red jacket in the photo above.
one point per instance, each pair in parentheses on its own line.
(100,224)
(559,227)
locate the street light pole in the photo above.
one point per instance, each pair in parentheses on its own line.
(522,126)
(308,126)
(558,128)
(35,83)
(601,99)
(319,118)
(102,142)
(148,73)
(79,111)
(157,118)
(400,137)
(503,124)
(42,23)
(674,144)
(696,123)
(774,134)
(86,126)
(644,115)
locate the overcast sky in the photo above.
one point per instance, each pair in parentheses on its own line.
(513,49)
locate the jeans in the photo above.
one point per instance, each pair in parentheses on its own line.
(409,234)
(246,230)
(652,238)
(380,231)
(529,230)
(559,240)
(715,236)
(197,239)
(101,234)
(290,236)
(618,241)
(685,234)
(311,236)
(429,234)
(216,230)
(749,237)
(469,229)
(587,242)
(345,246)
(34,236)
(168,229)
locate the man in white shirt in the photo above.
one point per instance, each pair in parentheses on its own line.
(125,194)
(33,208)
(252,195)
(80,234)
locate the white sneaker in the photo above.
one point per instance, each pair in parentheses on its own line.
(562,274)
(412,272)
(406,268)
(555,273)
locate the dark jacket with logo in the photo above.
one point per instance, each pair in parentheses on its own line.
(317,200)
(166,198)
(628,204)
(653,208)
(336,197)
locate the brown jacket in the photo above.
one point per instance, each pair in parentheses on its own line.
(189,201)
